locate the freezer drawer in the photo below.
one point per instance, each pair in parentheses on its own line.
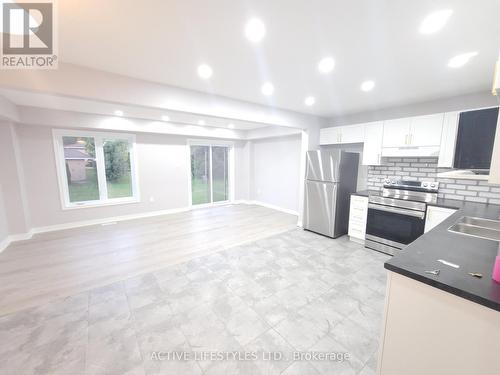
(319,207)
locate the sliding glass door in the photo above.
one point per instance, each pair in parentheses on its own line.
(209,174)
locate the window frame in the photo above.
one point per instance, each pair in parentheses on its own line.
(231,171)
(99,137)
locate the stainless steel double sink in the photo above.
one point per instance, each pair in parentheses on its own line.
(477,227)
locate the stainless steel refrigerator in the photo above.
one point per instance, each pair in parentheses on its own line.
(331,177)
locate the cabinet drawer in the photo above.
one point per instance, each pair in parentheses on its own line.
(356,232)
(359,217)
(359,224)
(359,200)
(359,209)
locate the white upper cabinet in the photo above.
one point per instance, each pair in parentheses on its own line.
(329,136)
(342,134)
(396,132)
(426,130)
(448,140)
(352,134)
(413,136)
(372,150)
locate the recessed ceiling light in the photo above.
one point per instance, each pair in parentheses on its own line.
(201,122)
(460,60)
(205,71)
(326,65)
(118,113)
(165,118)
(435,21)
(309,101)
(367,86)
(255,30)
(231,126)
(267,89)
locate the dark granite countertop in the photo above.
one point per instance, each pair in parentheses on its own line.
(472,254)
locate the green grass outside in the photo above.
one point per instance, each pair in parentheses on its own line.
(201,192)
(89,190)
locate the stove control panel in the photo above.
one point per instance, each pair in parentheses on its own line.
(430,186)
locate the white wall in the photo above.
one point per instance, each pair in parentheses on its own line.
(163,168)
(11,182)
(265,170)
(4,226)
(275,171)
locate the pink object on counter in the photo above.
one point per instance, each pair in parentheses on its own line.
(496,270)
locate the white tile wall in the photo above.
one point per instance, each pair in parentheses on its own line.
(426,169)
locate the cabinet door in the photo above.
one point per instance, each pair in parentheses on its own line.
(352,134)
(436,215)
(448,140)
(426,130)
(396,132)
(372,150)
(329,136)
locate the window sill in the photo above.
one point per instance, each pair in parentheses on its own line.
(95,204)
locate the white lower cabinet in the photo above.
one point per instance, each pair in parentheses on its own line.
(358,213)
(436,215)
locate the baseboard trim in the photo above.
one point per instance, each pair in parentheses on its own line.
(86,223)
(271,206)
(4,243)
(14,238)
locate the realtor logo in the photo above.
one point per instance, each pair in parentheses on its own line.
(28,40)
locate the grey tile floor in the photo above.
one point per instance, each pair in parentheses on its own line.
(293,292)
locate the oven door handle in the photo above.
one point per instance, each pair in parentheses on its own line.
(401,211)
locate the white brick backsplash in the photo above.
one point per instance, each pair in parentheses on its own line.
(467,182)
(420,165)
(453,186)
(489,195)
(426,169)
(432,170)
(479,188)
(428,160)
(453,196)
(477,199)
(447,191)
(466,192)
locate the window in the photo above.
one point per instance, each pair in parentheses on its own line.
(95,168)
(210,180)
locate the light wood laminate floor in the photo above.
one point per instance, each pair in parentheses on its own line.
(64,263)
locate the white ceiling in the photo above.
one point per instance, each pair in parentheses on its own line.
(64,103)
(165,40)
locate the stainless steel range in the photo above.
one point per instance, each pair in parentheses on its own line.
(397,217)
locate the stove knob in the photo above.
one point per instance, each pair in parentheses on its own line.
(433,186)
(425,184)
(393,182)
(387,181)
